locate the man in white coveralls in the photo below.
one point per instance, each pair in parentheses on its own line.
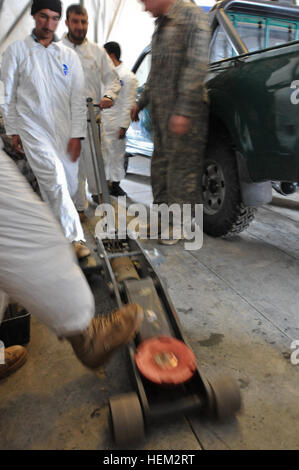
(38,270)
(45,112)
(102,85)
(117,120)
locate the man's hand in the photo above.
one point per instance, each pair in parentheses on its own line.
(179,125)
(105,103)
(74,148)
(122,133)
(17,144)
(134,113)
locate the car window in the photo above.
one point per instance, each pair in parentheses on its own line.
(143,70)
(256,32)
(220,47)
(252,34)
(281,34)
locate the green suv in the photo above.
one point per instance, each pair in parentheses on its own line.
(253,85)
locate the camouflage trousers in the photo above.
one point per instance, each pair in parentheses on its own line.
(177,161)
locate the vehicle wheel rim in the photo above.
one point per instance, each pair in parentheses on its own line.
(213,187)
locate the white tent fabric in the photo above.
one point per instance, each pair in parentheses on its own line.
(124,21)
(115,20)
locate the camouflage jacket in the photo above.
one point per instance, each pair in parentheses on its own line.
(179,61)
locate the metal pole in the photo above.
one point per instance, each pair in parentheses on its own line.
(97,6)
(98,163)
(113,20)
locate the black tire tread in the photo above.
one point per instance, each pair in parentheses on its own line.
(233,217)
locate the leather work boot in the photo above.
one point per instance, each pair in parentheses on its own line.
(148,228)
(105,334)
(82,216)
(169,238)
(81,250)
(95,198)
(116,190)
(15,357)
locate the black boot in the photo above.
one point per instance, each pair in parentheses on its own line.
(116,189)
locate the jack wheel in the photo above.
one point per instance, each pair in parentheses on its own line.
(225,399)
(127,419)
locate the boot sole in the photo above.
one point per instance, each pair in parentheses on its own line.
(169,242)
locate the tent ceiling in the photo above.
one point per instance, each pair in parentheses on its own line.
(116,20)
(123,21)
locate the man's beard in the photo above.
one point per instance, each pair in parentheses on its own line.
(77,38)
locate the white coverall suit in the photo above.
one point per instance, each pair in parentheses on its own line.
(100,79)
(113,119)
(37,265)
(45,105)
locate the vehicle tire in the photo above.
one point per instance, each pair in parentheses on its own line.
(284,187)
(224,212)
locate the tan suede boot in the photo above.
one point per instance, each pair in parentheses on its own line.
(82,216)
(81,249)
(171,237)
(158,228)
(105,334)
(15,357)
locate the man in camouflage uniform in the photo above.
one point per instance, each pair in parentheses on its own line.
(177,98)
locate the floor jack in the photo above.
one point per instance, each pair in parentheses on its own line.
(166,377)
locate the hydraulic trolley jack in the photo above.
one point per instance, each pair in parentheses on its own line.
(167,379)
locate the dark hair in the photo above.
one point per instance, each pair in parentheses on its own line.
(75,8)
(113,48)
(54,5)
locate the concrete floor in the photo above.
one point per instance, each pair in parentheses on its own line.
(238,304)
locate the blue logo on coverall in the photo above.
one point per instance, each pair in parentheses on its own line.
(121,83)
(65,69)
